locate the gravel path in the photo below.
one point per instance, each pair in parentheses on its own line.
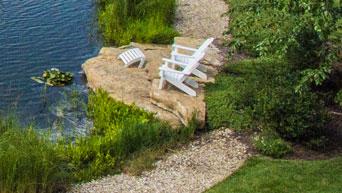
(195,168)
(202,18)
(208,159)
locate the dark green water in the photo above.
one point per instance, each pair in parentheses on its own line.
(36,35)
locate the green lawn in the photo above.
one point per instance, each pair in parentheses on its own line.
(261,174)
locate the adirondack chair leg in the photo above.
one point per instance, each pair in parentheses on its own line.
(183,87)
(191,82)
(200,74)
(202,68)
(161,81)
(186,89)
(141,63)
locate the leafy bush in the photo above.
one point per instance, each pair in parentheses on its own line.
(269,143)
(338,98)
(30,162)
(307,33)
(317,143)
(259,93)
(120,130)
(145,21)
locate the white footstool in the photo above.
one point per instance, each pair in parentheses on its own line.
(131,56)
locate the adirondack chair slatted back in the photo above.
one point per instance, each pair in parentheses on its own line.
(204,47)
(193,64)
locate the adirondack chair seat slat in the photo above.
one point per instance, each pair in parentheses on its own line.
(131,56)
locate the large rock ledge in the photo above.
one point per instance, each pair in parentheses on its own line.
(140,86)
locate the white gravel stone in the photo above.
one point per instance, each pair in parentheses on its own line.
(202,18)
(194,168)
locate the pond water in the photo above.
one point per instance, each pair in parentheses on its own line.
(36,35)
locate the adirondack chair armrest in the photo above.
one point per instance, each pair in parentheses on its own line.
(164,68)
(184,47)
(181,55)
(174,62)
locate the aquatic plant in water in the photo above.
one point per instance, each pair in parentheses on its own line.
(54,77)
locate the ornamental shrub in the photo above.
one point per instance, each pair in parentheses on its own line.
(269,143)
(338,98)
(260,93)
(306,33)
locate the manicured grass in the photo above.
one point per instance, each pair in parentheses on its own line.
(261,174)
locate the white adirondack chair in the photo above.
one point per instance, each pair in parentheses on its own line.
(178,78)
(185,58)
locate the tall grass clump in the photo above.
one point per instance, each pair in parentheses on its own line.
(29,162)
(144,21)
(119,131)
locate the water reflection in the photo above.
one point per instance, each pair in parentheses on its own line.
(37,35)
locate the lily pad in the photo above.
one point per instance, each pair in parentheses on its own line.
(38,79)
(54,77)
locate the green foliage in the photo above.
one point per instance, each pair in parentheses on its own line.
(54,77)
(145,21)
(260,93)
(109,113)
(306,33)
(269,143)
(120,130)
(317,143)
(29,162)
(260,174)
(338,98)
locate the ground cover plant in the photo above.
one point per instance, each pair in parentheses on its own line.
(144,21)
(261,174)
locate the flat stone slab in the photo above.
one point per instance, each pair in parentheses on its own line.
(130,85)
(184,106)
(140,86)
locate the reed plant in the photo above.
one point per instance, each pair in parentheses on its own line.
(144,21)
(29,162)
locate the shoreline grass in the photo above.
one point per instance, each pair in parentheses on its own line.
(29,162)
(143,21)
(124,138)
(121,132)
